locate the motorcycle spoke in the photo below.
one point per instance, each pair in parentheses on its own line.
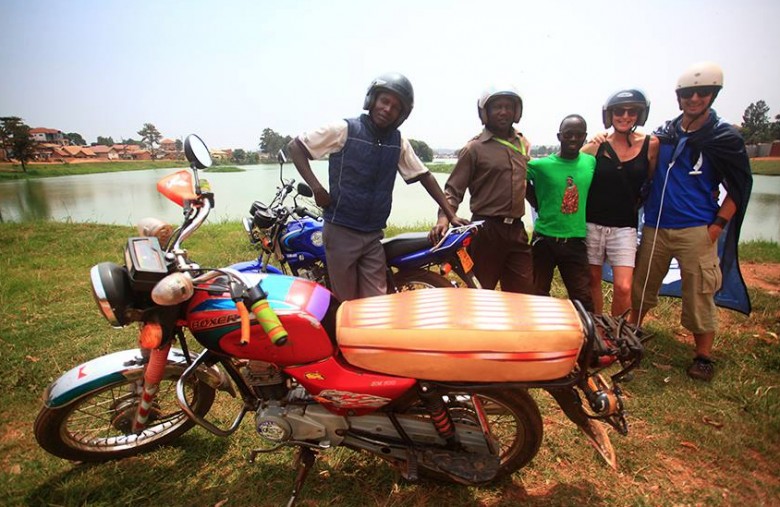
(104,420)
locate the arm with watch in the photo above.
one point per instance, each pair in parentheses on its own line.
(722,217)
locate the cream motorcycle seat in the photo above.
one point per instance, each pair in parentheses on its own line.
(464,335)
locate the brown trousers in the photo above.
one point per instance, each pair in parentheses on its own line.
(501,253)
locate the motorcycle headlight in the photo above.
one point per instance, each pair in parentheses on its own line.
(262,216)
(111,290)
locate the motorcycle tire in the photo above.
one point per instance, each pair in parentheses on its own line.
(418,279)
(97,426)
(515,425)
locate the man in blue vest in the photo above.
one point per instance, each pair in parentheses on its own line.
(365,154)
(683,216)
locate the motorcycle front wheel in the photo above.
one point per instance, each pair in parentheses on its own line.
(97,427)
(418,279)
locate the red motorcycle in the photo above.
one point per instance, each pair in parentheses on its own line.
(435,382)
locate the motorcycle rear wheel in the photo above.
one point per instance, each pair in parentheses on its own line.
(515,425)
(418,279)
(97,426)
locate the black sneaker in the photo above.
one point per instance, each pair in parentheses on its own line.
(703,368)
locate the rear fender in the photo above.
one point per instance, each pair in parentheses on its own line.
(126,364)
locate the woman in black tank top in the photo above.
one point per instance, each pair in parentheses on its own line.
(625,161)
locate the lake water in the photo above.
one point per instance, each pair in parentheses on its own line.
(126,197)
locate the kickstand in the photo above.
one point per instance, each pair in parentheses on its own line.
(303,464)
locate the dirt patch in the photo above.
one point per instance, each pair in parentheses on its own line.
(764,276)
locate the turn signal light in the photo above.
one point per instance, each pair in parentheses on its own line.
(173,289)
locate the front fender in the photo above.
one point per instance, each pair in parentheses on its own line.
(102,371)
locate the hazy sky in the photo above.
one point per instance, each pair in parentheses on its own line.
(228,69)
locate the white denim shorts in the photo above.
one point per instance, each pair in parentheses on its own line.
(617,245)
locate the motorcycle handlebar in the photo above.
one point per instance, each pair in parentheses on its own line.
(258,302)
(301,211)
(463,229)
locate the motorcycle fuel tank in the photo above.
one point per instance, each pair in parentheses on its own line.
(301,305)
(302,241)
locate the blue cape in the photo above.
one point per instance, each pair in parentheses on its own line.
(723,146)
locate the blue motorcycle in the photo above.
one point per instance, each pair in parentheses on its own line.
(291,235)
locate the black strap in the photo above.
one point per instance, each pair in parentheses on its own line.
(605,146)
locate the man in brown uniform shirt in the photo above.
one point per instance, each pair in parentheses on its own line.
(492,166)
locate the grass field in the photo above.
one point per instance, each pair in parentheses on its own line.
(766,166)
(689,443)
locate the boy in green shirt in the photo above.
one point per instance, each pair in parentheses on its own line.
(561,183)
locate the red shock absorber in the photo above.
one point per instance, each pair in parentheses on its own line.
(442,420)
(153,374)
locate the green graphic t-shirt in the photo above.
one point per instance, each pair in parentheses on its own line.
(562,187)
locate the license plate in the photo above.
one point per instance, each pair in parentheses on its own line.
(465,260)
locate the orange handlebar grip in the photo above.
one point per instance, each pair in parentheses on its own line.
(244,313)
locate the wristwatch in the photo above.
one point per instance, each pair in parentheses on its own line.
(719,221)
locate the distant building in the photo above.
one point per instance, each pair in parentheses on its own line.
(44,135)
(221,155)
(105,152)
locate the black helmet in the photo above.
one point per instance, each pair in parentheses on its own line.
(398,85)
(623,98)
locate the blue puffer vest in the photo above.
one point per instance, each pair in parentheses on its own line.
(362,175)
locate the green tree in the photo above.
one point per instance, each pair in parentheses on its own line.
(16,140)
(179,145)
(755,123)
(105,141)
(7,126)
(239,156)
(775,127)
(132,141)
(75,139)
(150,136)
(422,150)
(253,157)
(271,142)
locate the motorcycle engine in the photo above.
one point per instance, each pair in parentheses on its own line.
(316,273)
(278,424)
(266,379)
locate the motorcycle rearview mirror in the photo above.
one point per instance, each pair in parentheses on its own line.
(282,158)
(247,223)
(305,190)
(196,152)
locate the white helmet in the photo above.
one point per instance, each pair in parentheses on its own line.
(504,90)
(701,74)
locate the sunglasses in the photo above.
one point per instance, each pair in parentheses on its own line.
(620,111)
(701,91)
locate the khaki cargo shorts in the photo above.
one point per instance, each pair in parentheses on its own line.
(697,257)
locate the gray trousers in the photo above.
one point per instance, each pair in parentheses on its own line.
(356,262)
